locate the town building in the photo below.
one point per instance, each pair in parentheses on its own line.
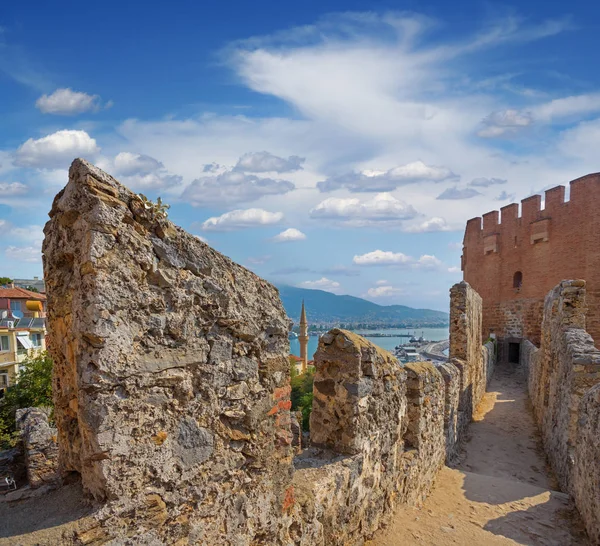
(31,284)
(22,330)
(514,260)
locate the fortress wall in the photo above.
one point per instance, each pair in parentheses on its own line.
(380,431)
(564,378)
(171,376)
(377,435)
(546,245)
(586,471)
(466,352)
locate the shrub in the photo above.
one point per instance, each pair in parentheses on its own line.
(33,388)
(302,393)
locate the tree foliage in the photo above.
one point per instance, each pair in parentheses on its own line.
(32,389)
(302,393)
(5,280)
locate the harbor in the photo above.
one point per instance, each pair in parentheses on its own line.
(408,345)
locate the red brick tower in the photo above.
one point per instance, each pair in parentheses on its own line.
(513,262)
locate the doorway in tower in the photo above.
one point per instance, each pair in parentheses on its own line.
(514,353)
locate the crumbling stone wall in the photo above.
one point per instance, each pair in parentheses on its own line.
(359,390)
(586,471)
(466,353)
(377,433)
(380,432)
(563,378)
(171,377)
(39,445)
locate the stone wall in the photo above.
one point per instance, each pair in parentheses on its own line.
(564,378)
(380,430)
(586,464)
(171,375)
(39,446)
(172,394)
(378,440)
(475,362)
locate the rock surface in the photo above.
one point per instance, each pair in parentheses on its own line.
(40,446)
(564,382)
(171,376)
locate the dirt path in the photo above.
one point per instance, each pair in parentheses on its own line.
(501,492)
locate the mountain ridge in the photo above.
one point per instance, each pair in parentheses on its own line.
(325,307)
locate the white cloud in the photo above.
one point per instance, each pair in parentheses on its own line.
(486,182)
(430,226)
(566,107)
(504,122)
(288,235)
(140,172)
(381,257)
(13,188)
(32,233)
(30,254)
(67,102)
(241,219)
(231,187)
(510,122)
(263,162)
(427,261)
(505,196)
(56,150)
(384,292)
(322,284)
(454,269)
(398,259)
(381,282)
(258,260)
(458,193)
(383,209)
(127,163)
(382,181)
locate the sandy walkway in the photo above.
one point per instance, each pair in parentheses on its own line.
(501,492)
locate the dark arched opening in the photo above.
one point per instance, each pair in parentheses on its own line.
(517,279)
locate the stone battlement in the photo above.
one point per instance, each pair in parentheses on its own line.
(564,387)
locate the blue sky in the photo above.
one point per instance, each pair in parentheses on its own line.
(323,144)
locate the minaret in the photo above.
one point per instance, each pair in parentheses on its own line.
(303,339)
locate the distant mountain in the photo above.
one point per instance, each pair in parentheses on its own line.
(326,307)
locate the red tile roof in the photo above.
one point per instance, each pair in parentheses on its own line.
(21,294)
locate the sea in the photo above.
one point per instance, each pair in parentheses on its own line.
(387,343)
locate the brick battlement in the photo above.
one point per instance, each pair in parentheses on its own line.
(541,246)
(581,189)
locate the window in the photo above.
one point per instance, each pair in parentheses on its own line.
(3,380)
(15,305)
(517,280)
(4,344)
(36,339)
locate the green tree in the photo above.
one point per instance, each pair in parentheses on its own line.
(5,280)
(33,388)
(302,393)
